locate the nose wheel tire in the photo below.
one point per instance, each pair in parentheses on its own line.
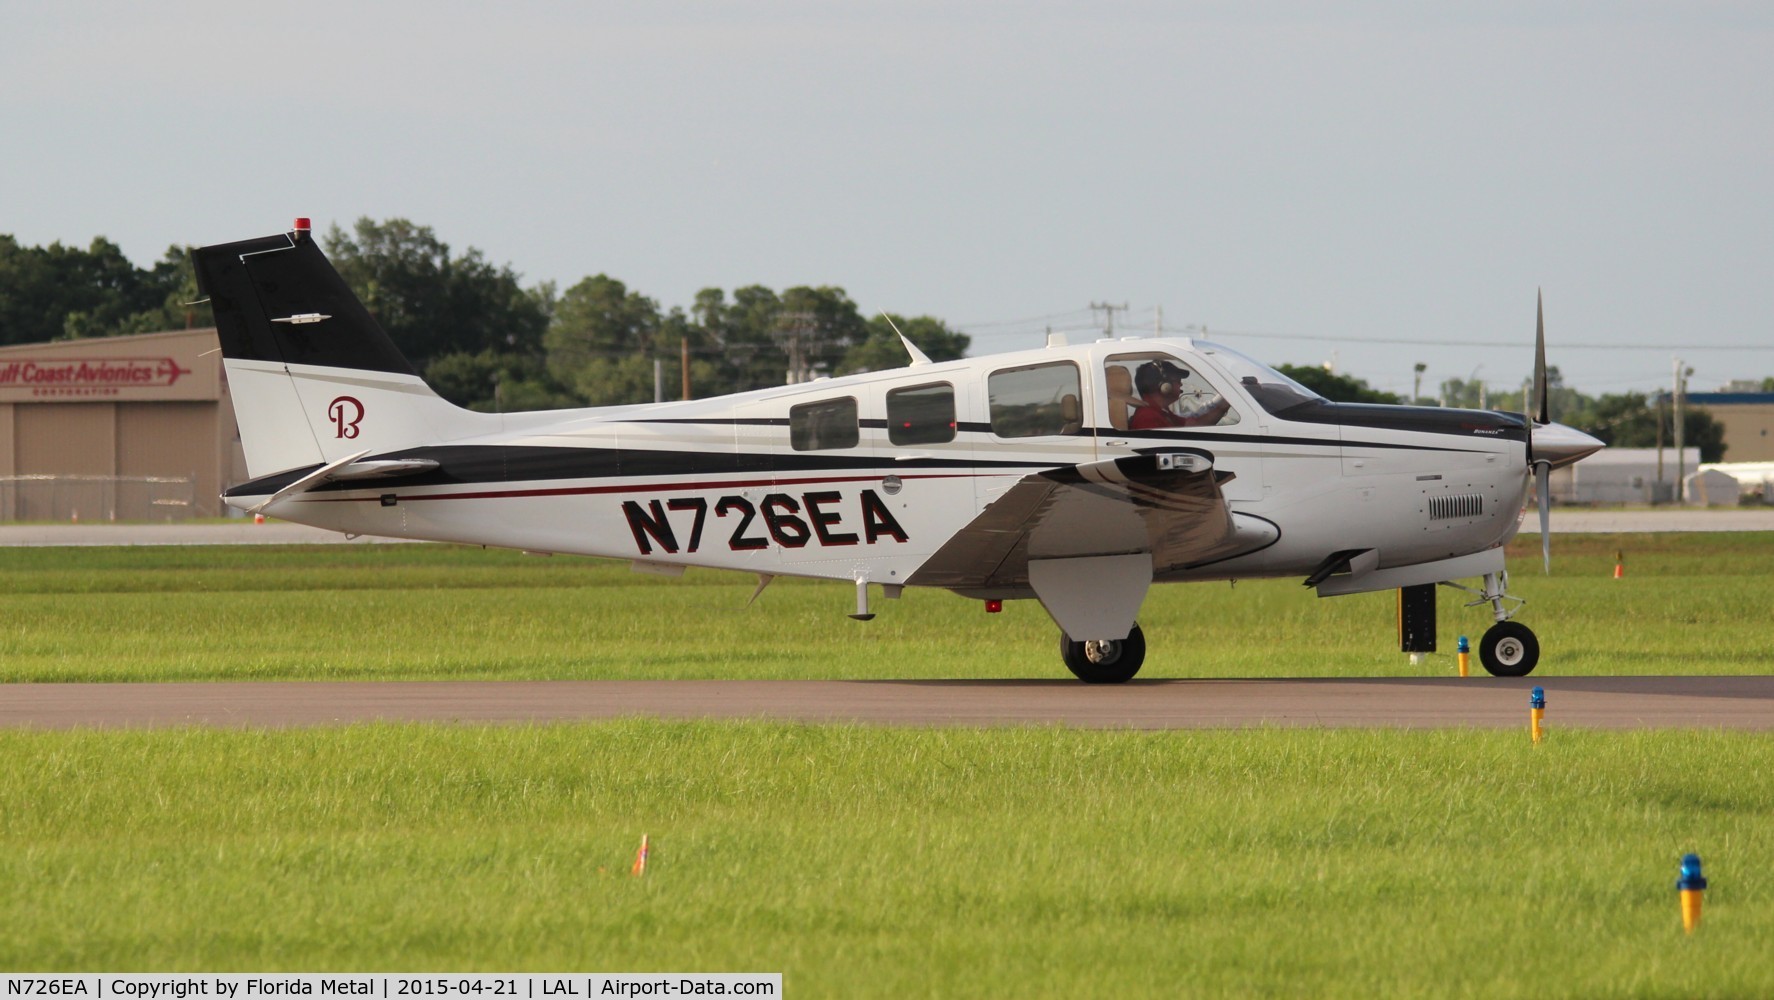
(1104,661)
(1509,649)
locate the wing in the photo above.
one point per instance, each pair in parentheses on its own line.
(1167,506)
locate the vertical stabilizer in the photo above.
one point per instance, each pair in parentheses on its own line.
(312,374)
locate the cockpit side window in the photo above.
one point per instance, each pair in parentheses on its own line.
(1154,391)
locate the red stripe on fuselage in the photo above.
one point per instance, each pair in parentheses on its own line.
(564,491)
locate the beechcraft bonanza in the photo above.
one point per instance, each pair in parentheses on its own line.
(1075,475)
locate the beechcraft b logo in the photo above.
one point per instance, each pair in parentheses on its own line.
(345,413)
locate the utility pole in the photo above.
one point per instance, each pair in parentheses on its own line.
(1417,382)
(1659,404)
(1681,392)
(1109,326)
(684,362)
(797,324)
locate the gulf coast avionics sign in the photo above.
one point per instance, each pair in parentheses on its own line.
(85,378)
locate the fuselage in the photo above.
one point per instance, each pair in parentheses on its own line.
(864,477)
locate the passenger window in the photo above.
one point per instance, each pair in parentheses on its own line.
(923,414)
(1156,391)
(829,423)
(1030,402)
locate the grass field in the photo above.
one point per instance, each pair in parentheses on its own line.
(893,862)
(873,861)
(1689,604)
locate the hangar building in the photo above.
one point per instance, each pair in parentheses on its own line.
(1748,419)
(136,428)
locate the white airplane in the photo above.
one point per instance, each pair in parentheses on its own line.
(1074,475)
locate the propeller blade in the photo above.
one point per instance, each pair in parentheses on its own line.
(1539,411)
(1543,498)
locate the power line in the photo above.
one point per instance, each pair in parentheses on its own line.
(1415,342)
(1050,317)
(1034,328)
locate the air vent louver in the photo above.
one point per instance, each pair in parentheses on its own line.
(1444,508)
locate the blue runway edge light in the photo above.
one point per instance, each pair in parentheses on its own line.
(1691,877)
(1465,647)
(1537,699)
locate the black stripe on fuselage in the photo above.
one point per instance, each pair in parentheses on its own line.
(462,465)
(466,465)
(1491,425)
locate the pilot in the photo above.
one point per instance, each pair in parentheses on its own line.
(1160,385)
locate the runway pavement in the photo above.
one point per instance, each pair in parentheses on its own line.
(1413,703)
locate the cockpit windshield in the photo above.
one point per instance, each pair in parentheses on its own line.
(1272,390)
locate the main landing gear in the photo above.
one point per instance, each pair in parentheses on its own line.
(1104,661)
(1508,648)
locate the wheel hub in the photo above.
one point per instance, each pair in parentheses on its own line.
(1102,651)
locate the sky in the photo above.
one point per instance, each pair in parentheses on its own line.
(1369,185)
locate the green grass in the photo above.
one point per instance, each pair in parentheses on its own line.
(873,861)
(1689,604)
(891,862)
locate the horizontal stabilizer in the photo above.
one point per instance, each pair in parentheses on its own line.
(348,469)
(386,468)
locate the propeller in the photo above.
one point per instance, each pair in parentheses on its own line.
(1538,417)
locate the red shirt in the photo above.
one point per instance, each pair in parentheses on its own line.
(1151,418)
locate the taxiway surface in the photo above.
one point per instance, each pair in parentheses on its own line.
(1601,702)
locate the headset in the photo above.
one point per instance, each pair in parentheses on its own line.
(1158,376)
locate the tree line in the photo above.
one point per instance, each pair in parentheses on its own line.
(485,340)
(479,335)
(1622,420)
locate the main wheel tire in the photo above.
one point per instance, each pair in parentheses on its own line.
(1509,649)
(1104,661)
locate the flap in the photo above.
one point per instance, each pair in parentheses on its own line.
(1168,505)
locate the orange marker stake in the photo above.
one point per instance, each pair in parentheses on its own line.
(1691,885)
(1537,712)
(1619,564)
(640,859)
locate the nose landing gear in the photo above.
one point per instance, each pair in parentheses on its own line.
(1508,648)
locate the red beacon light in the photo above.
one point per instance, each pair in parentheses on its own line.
(994,605)
(303,225)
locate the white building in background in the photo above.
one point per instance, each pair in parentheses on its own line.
(1753,478)
(1709,488)
(1623,475)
